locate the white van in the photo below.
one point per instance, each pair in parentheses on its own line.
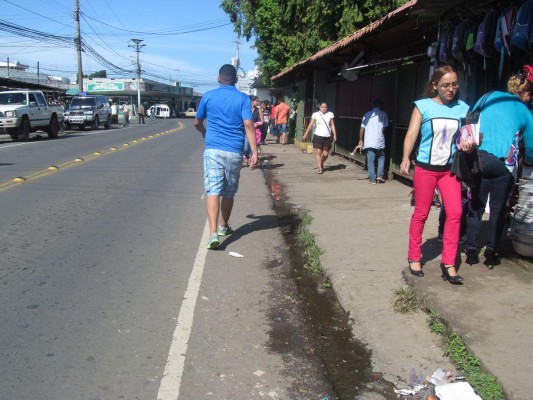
(159,111)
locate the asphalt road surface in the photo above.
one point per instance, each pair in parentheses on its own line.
(108,291)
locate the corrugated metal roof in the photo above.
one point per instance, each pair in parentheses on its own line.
(350,39)
(398,33)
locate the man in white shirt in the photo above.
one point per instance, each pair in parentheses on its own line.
(372,130)
(114,113)
(126,109)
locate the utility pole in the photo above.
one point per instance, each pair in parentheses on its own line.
(137,46)
(78,44)
(238,61)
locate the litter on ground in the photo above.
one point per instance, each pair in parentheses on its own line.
(441,383)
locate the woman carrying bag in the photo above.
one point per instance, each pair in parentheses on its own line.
(436,118)
(505,124)
(325,131)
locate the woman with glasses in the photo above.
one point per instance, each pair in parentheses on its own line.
(505,123)
(436,118)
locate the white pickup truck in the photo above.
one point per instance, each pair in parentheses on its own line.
(25,111)
(190,113)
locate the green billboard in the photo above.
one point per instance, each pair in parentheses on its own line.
(105,87)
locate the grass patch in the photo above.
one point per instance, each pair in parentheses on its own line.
(306,240)
(455,348)
(436,324)
(406,300)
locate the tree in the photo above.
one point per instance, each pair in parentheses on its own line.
(97,74)
(290,31)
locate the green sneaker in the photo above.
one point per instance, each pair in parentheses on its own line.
(224,230)
(213,242)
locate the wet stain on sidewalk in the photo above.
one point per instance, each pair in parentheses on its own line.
(309,325)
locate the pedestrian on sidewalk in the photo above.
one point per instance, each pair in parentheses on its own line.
(257,118)
(372,139)
(140,111)
(436,118)
(325,132)
(229,119)
(114,113)
(507,125)
(126,108)
(265,109)
(282,120)
(272,129)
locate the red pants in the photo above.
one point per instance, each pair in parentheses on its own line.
(425,183)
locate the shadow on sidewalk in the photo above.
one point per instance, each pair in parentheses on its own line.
(260,222)
(335,167)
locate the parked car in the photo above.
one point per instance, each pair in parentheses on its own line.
(190,113)
(25,111)
(90,110)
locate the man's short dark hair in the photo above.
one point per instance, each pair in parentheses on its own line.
(228,73)
(378,103)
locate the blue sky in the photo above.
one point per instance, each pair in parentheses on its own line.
(185,41)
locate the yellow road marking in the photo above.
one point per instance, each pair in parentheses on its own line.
(54,168)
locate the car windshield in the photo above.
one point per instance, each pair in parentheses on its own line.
(12,98)
(83,102)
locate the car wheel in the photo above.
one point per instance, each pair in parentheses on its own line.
(107,125)
(13,133)
(53,128)
(24,130)
(96,122)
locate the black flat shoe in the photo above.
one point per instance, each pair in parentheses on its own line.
(414,272)
(491,258)
(453,279)
(472,257)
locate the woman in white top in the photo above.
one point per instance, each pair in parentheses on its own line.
(325,131)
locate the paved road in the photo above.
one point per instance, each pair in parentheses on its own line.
(107,291)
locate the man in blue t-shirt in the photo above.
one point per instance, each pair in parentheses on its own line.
(229,115)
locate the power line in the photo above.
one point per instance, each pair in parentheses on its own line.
(204,26)
(34,34)
(33,12)
(68,42)
(102,40)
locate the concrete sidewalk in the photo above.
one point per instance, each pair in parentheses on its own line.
(363,230)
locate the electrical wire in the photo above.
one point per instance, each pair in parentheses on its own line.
(68,42)
(102,40)
(202,26)
(33,12)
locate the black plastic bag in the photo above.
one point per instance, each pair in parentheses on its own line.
(467,168)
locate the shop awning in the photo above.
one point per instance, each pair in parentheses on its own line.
(403,32)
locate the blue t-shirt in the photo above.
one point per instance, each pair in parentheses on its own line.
(440,124)
(225,108)
(504,122)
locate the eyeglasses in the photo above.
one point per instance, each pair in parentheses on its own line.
(445,86)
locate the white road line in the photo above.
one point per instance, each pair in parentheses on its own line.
(169,387)
(12,145)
